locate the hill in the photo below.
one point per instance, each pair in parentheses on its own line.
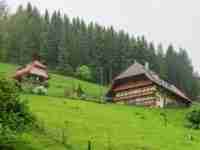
(108,126)
(67,42)
(7,69)
(118,126)
(58,83)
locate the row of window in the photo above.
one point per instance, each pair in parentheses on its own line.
(142,99)
(136,91)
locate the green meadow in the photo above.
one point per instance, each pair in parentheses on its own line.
(69,124)
(58,83)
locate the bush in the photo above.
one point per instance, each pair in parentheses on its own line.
(80,91)
(46,84)
(29,84)
(15,116)
(40,90)
(84,72)
(193,119)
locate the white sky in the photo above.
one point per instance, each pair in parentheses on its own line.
(161,21)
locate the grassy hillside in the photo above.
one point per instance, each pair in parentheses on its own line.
(124,127)
(59,83)
(7,69)
(106,125)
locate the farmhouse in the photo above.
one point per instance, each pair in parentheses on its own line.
(35,70)
(138,85)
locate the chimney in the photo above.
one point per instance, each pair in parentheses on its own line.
(147,65)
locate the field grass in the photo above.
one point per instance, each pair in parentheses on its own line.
(108,126)
(121,127)
(7,69)
(58,83)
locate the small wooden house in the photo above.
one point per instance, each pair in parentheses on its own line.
(138,85)
(35,70)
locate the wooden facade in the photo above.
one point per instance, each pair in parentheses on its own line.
(140,86)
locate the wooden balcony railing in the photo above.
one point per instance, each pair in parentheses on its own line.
(132,85)
(134,96)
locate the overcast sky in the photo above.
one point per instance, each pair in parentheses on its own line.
(161,21)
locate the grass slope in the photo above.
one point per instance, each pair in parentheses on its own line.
(7,69)
(59,83)
(124,127)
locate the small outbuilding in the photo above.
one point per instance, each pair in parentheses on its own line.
(138,85)
(35,70)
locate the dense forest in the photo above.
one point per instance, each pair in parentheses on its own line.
(65,43)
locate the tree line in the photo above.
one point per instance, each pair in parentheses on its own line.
(65,43)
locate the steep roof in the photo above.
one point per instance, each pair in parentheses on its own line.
(36,63)
(133,70)
(35,68)
(138,69)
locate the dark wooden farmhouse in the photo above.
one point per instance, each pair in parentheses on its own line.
(138,85)
(34,70)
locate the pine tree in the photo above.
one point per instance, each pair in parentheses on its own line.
(2,26)
(171,65)
(54,36)
(44,36)
(63,56)
(66,44)
(161,63)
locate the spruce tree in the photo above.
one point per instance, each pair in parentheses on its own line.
(65,44)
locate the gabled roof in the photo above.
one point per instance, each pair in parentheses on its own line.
(39,72)
(35,68)
(36,63)
(133,70)
(138,69)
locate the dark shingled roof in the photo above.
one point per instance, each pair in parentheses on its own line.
(133,70)
(138,69)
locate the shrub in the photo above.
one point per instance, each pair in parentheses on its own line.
(46,84)
(40,90)
(15,116)
(29,84)
(193,119)
(80,91)
(84,72)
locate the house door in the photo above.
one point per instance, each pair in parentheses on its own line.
(160,102)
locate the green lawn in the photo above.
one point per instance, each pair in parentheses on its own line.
(121,127)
